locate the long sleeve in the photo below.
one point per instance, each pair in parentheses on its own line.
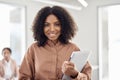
(26,71)
(14,68)
(87,70)
(1,70)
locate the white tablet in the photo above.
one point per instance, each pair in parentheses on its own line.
(79,58)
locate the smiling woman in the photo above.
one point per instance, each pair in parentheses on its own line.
(48,57)
(12,29)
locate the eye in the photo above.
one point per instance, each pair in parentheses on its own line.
(57,24)
(46,24)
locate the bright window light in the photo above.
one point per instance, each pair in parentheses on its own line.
(84,3)
(114,41)
(60,4)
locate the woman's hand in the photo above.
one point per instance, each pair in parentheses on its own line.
(68,68)
(82,76)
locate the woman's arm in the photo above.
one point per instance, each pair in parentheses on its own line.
(26,71)
(14,68)
(1,70)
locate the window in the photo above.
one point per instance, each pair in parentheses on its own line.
(109,42)
(12,30)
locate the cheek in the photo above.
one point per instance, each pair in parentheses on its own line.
(45,30)
(8,54)
(58,29)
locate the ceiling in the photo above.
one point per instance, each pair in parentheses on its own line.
(72,4)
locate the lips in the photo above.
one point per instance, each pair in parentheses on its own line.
(52,34)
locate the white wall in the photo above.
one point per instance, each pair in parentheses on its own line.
(86,19)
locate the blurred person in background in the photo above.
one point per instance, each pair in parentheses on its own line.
(8,66)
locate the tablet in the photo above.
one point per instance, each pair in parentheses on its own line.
(79,58)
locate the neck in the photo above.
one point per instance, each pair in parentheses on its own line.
(7,60)
(55,42)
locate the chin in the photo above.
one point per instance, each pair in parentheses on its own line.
(53,39)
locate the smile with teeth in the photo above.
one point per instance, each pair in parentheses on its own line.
(52,34)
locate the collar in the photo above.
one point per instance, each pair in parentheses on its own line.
(5,62)
(51,44)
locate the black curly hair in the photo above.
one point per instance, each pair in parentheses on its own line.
(68,26)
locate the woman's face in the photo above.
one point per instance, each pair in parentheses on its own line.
(52,28)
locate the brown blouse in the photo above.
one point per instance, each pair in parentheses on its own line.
(44,63)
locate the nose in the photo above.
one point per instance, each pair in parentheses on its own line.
(5,54)
(52,28)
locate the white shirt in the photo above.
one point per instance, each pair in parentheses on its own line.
(8,71)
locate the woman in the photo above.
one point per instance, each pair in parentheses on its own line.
(47,58)
(8,66)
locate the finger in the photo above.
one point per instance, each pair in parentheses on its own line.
(64,66)
(67,66)
(64,63)
(71,63)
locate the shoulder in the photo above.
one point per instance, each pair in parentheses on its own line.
(34,44)
(1,63)
(31,50)
(73,45)
(32,47)
(13,61)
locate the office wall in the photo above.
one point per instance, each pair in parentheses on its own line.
(86,19)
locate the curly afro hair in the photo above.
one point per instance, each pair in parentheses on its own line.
(68,26)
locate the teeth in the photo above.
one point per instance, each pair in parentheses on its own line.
(52,34)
